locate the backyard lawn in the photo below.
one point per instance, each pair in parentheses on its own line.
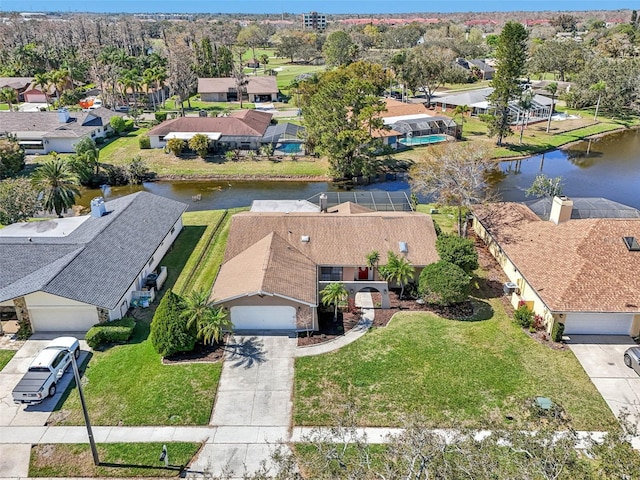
(128,384)
(451,373)
(116,460)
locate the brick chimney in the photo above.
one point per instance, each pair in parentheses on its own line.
(561,208)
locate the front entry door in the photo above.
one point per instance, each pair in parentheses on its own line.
(363,273)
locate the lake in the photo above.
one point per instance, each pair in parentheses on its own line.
(608,167)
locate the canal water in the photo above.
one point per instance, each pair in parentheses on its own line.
(608,167)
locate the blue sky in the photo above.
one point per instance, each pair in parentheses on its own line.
(298,6)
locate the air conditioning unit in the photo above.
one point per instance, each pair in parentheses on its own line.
(509,287)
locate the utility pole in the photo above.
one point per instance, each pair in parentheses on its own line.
(92,443)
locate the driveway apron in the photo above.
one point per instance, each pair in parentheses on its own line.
(253,404)
(602,357)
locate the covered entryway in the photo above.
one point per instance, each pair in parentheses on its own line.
(263,317)
(598,324)
(63,319)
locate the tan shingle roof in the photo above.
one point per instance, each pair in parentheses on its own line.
(271,266)
(395,108)
(576,266)
(349,208)
(256,85)
(243,123)
(338,238)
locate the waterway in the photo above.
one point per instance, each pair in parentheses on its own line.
(607,167)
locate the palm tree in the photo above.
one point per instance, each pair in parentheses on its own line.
(149,79)
(552,88)
(210,321)
(525,103)
(43,80)
(373,259)
(461,110)
(398,269)
(57,185)
(334,293)
(598,87)
(8,95)
(60,78)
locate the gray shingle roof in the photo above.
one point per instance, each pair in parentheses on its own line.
(97,262)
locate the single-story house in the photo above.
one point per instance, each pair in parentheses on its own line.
(257,89)
(276,262)
(67,274)
(477,67)
(243,129)
(19,84)
(478,102)
(44,132)
(579,268)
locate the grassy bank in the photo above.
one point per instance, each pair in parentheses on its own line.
(5,357)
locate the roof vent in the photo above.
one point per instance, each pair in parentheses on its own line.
(323,202)
(632,244)
(305,238)
(403,247)
(63,115)
(98,207)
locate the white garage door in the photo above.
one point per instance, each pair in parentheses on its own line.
(263,318)
(598,324)
(63,319)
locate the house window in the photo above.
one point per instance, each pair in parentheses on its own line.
(161,138)
(330,274)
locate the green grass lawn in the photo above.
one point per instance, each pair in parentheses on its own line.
(116,460)
(5,356)
(451,373)
(128,384)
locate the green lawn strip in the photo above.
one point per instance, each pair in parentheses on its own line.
(116,460)
(195,262)
(451,373)
(445,218)
(129,385)
(5,356)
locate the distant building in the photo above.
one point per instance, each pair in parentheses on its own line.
(314,21)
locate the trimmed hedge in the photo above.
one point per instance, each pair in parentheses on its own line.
(118,331)
(557,331)
(144,142)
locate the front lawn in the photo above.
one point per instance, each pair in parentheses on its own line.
(116,460)
(452,373)
(129,385)
(5,356)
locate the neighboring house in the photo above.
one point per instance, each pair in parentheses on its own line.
(44,132)
(408,120)
(477,68)
(19,84)
(244,129)
(478,101)
(276,262)
(579,268)
(67,274)
(257,89)
(285,137)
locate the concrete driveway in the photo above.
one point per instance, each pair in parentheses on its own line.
(12,414)
(602,359)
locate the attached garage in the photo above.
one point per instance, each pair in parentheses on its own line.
(263,317)
(598,323)
(63,319)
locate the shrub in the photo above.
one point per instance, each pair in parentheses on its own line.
(161,116)
(459,251)
(137,170)
(117,123)
(18,200)
(523,316)
(128,125)
(118,331)
(144,142)
(444,283)
(175,146)
(170,333)
(437,228)
(199,143)
(100,140)
(12,157)
(117,175)
(557,331)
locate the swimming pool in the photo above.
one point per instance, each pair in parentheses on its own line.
(423,140)
(290,148)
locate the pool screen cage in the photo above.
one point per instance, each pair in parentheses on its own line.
(377,200)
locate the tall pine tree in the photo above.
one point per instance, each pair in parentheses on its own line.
(511,55)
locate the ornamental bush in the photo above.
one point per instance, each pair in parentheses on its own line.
(459,251)
(175,146)
(118,331)
(523,316)
(557,331)
(144,142)
(170,333)
(444,283)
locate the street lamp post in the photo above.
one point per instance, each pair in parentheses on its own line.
(92,443)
